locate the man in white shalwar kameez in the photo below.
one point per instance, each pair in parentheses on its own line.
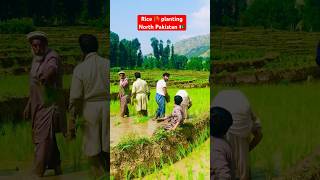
(140,95)
(89,95)
(186,103)
(245,124)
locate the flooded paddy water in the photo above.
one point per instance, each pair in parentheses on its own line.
(121,127)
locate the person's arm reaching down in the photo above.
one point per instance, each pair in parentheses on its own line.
(27,110)
(179,117)
(124,82)
(49,71)
(256,131)
(75,105)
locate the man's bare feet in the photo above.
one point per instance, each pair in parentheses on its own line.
(58,170)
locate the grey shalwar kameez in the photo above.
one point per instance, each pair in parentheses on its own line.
(46,107)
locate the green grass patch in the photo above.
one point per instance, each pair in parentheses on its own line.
(17,149)
(289,115)
(199,96)
(130,141)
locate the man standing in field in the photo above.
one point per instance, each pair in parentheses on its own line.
(89,95)
(141,94)
(162,95)
(186,103)
(45,106)
(124,94)
(245,124)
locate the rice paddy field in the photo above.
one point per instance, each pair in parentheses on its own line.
(176,75)
(200,102)
(17,150)
(17,160)
(289,115)
(295,49)
(288,110)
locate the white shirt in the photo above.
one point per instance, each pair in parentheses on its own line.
(182,93)
(244,120)
(160,85)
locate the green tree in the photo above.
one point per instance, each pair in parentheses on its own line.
(135,47)
(114,49)
(149,62)
(171,60)
(161,48)
(155,47)
(272,14)
(166,55)
(123,54)
(311,15)
(180,61)
(194,63)
(140,59)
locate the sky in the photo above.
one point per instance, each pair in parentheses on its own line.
(123,19)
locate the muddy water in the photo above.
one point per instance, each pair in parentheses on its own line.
(121,127)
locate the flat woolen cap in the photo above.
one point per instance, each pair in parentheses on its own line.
(37,35)
(121,72)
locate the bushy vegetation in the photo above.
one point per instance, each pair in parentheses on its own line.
(23,26)
(284,14)
(128,54)
(54,12)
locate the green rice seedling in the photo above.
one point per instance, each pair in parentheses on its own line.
(190,173)
(289,118)
(131,140)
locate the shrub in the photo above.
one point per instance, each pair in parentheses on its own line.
(115,69)
(97,23)
(22,26)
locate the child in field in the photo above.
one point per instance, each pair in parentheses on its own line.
(246,131)
(221,159)
(176,118)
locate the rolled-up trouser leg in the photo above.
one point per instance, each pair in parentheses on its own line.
(161,101)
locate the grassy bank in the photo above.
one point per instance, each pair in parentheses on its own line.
(195,165)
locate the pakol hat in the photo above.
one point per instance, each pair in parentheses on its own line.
(37,35)
(121,72)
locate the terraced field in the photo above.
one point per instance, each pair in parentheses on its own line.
(15,56)
(278,73)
